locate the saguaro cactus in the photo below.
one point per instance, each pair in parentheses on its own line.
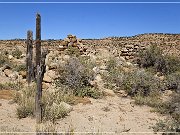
(39,72)
(38,39)
(29,56)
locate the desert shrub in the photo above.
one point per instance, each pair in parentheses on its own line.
(21,67)
(72,51)
(172,108)
(135,81)
(11,86)
(173,81)
(25,101)
(114,77)
(149,56)
(16,53)
(141,82)
(167,64)
(52,112)
(87,63)
(111,65)
(151,100)
(76,77)
(26,108)
(153,57)
(169,127)
(3,59)
(51,108)
(47,128)
(89,92)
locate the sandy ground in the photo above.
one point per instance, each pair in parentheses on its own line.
(110,115)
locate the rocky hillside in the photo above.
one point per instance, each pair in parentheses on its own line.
(118,46)
(95,80)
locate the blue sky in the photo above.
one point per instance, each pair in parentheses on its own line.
(89,20)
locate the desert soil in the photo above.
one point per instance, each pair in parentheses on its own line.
(110,115)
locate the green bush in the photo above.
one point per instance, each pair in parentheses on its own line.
(26,108)
(111,65)
(75,76)
(89,92)
(154,57)
(173,81)
(25,101)
(51,108)
(72,51)
(53,112)
(167,64)
(141,82)
(171,108)
(21,67)
(3,59)
(171,126)
(16,53)
(148,57)
(47,128)
(11,86)
(114,78)
(151,100)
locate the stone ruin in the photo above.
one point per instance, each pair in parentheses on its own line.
(73,41)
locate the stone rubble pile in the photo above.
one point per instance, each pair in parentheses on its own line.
(73,41)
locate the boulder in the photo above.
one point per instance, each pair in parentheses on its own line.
(14,75)
(122,93)
(23,74)
(122,59)
(4,79)
(129,46)
(79,40)
(53,66)
(74,40)
(8,72)
(64,43)
(103,67)
(6,66)
(10,57)
(52,74)
(45,86)
(124,50)
(66,106)
(108,92)
(67,40)
(66,57)
(96,70)
(70,36)
(129,64)
(70,44)
(23,55)
(47,79)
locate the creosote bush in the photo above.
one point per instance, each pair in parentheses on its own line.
(21,67)
(115,75)
(149,56)
(51,104)
(72,51)
(171,108)
(141,82)
(11,86)
(47,128)
(16,53)
(4,59)
(173,81)
(76,77)
(153,57)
